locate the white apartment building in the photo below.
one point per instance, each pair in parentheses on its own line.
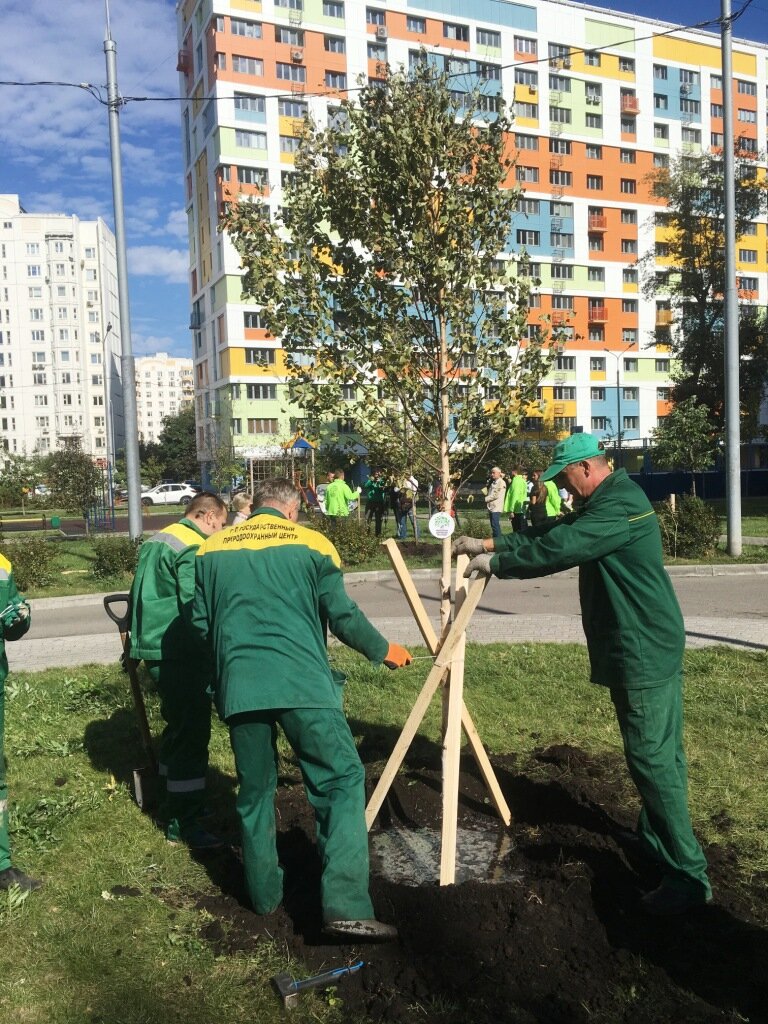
(59,333)
(164,386)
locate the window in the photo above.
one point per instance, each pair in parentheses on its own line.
(596,274)
(629,245)
(375,16)
(525,45)
(418,25)
(660,72)
(562,272)
(561,178)
(661,132)
(262,426)
(36,336)
(746,88)
(36,314)
(263,392)
(253,320)
(630,365)
(629,306)
(291,72)
(594,121)
(525,237)
(716,82)
(335,80)
(747,284)
(594,152)
(596,243)
(260,356)
(526,141)
(689,77)
(526,110)
(527,206)
(628,156)
(662,366)
(691,136)
(333,9)
(529,174)
(559,83)
(629,336)
(597,364)
(560,115)
(627,65)
(595,182)
(629,216)
(488,72)
(561,146)
(248,65)
(660,160)
(630,422)
(564,394)
(291,36)
(629,275)
(593,93)
(561,239)
(453,31)
(291,108)
(747,116)
(628,126)
(592,59)
(289,143)
(565,363)
(33,270)
(249,29)
(291,5)
(525,77)
(377,51)
(488,37)
(560,209)
(252,176)
(334,44)
(250,140)
(253,104)
(628,186)
(596,332)
(597,394)
(747,256)
(630,394)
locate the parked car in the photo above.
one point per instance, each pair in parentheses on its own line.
(168,494)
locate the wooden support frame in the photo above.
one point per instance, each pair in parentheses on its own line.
(448,671)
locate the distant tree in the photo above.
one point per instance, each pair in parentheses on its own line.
(384,283)
(686,439)
(177,448)
(19,478)
(75,481)
(693,279)
(152,469)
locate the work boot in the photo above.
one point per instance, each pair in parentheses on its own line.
(666,901)
(370,928)
(12,876)
(194,838)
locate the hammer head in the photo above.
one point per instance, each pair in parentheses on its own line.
(286,989)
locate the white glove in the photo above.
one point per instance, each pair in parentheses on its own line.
(468,546)
(480,564)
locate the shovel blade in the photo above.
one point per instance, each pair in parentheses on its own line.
(146,788)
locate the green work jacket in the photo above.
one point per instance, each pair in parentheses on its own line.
(161,594)
(265,593)
(337,498)
(8,592)
(631,618)
(516,497)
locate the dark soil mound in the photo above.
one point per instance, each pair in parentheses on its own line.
(562,941)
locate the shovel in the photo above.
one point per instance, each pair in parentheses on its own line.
(145,780)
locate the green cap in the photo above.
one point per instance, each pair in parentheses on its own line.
(575,448)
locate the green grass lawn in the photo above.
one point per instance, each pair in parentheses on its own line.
(85,950)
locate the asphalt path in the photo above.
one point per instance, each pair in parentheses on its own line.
(719,607)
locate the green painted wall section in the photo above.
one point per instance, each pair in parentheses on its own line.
(600,33)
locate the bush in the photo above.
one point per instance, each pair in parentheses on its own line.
(691,530)
(32,559)
(114,556)
(350,538)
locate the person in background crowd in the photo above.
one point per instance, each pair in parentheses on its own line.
(375,490)
(266,593)
(241,506)
(338,496)
(15,620)
(494,500)
(537,504)
(552,501)
(635,639)
(407,493)
(160,603)
(516,500)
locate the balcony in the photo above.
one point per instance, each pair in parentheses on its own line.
(598,223)
(663,317)
(630,105)
(184,62)
(597,314)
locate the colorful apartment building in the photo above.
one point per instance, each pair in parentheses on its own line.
(164,386)
(59,334)
(600,100)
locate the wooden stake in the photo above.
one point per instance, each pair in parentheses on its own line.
(452,741)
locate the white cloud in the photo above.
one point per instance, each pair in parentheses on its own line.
(151,344)
(172,265)
(177,225)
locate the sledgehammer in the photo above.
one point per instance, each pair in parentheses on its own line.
(288,988)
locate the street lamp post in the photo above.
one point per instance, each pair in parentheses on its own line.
(617,356)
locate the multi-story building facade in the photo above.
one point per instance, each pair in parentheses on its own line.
(600,100)
(59,334)
(164,386)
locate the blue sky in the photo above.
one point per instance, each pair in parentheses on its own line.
(55,145)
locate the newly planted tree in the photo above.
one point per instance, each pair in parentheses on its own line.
(385,280)
(686,439)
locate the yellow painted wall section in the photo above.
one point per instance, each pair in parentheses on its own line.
(233,363)
(203,218)
(682,51)
(254,6)
(609,68)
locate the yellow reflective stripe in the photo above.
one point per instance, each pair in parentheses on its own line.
(5,564)
(185,533)
(269,532)
(635,519)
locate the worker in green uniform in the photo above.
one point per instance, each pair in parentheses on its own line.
(338,496)
(14,622)
(516,500)
(266,592)
(161,598)
(635,638)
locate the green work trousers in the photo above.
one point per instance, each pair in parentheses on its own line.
(651,723)
(5,841)
(186,709)
(334,781)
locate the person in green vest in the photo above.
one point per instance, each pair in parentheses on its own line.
(15,620)
(266,594)
(338,496)
(516,500)
(160,603)
(554,502)
(635,639)
(375,490)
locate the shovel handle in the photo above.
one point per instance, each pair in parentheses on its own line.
(121,621)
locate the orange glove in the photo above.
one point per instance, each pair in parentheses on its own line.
(397,657)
